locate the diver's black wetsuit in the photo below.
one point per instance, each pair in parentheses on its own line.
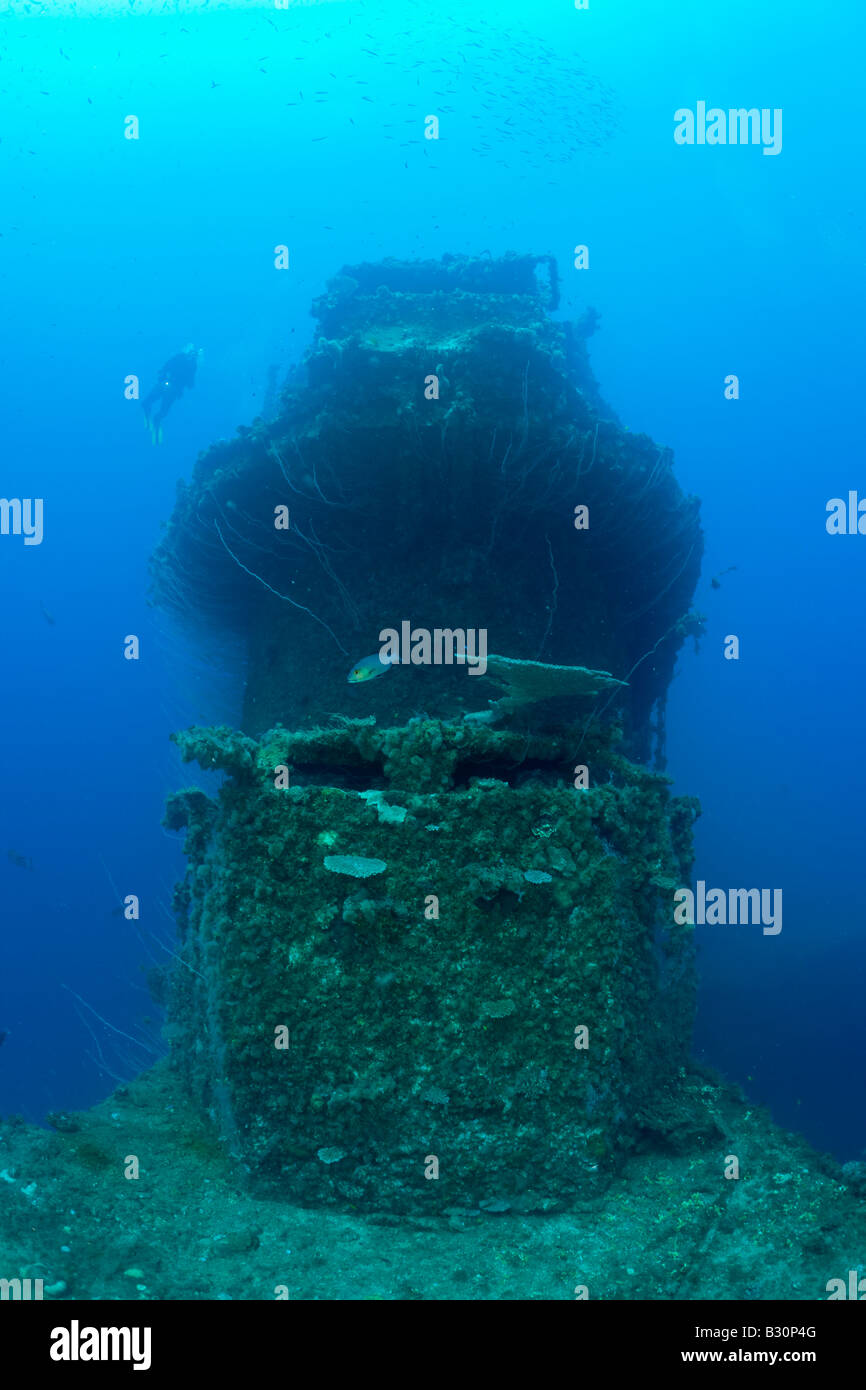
(176,376)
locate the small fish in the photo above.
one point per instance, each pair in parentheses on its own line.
(716,581)
(22,861)
(367,669)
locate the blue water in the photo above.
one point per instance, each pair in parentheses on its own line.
(259,127)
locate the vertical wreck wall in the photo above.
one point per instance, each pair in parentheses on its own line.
(474,973)
(427,920)
(431,457)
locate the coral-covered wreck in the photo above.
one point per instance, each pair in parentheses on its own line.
(435,463)
(428,920)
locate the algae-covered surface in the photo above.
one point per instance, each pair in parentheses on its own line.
(429,1009)
(432,969)
(434,454)
(670,1225)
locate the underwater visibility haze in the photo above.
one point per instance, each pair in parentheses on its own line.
(432,547)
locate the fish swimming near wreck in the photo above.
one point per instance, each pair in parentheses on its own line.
(367,669)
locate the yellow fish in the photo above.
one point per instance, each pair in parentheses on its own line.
(367,669)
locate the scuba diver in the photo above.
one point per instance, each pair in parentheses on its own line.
(176,376)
